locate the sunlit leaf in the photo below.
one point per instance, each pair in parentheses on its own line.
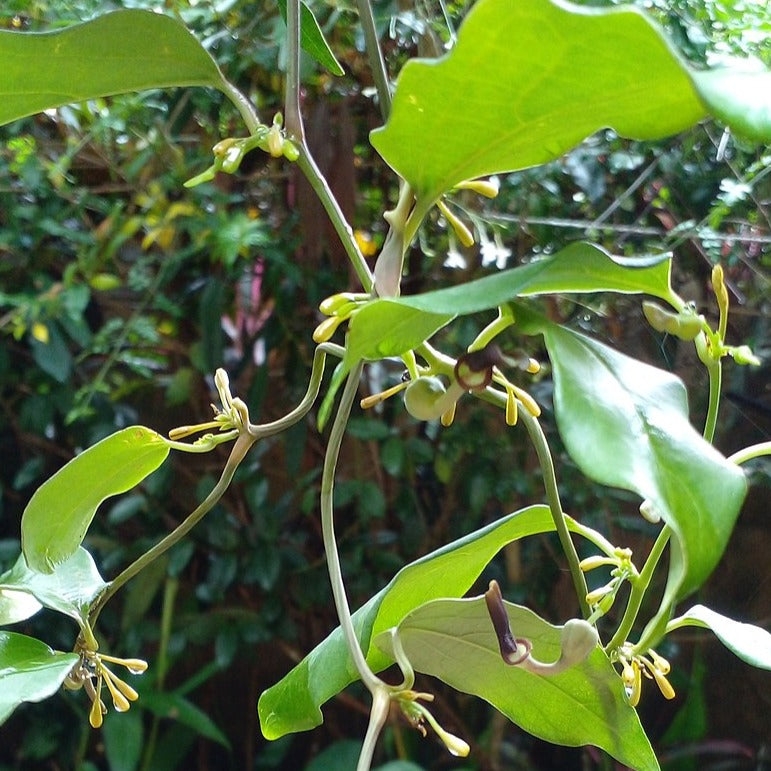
(527,81)
(749,642)
(70,589)
(625,424)
(58,515)
(293,704)
(738,98)
(29,671)
(454,640)
(119,52)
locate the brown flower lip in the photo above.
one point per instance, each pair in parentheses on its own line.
(513,651)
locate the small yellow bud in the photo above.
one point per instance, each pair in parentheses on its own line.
(326,329)
(465,236)
(511,408)
(489,188)
(275,141)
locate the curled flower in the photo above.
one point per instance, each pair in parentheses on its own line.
(578,639)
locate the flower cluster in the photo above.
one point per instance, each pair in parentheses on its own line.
(91,673)
(652,666)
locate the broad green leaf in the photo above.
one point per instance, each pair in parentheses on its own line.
(70,589)
(749,642)
(454,641)
(742,100)
(312,39)
(293,704)
(625,424)
(527,81)
(113,54)
(56,519)
(390,327)
(29,671)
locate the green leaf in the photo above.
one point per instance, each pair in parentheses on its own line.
(115,53)
(29,671)
(625,424)
(454,640)
(176,707)
(312,39)
(293,704)
(70,589)
(527,81)
(390,327)
(749,642)
(56,519)
(742,100)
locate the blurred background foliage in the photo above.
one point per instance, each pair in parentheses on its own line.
(121,291)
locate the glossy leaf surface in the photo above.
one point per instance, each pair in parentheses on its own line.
(390,327)
(749,642)
(454,641)
(528,80)
(70,589)
(58,515)
(625,424)
(740,99)
(293,704)
(29,671)
(119,52)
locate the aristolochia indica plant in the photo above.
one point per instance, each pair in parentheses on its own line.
(525,82)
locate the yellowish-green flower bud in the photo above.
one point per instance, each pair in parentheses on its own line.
(742,354)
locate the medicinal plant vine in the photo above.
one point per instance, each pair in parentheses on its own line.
(525,82)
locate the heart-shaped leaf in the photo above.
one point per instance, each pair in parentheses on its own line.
(293,704)
(119,52)
(29,671)
(454,640)
(58,515)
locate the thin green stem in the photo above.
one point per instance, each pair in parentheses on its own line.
(640,585)
(243,105)
(332,207)
(263,430)
(715,373)
(369,679)
(748,453)
(375,55)
(381,702)
(167,616)
(538,438)
(237,454)
(293,119)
